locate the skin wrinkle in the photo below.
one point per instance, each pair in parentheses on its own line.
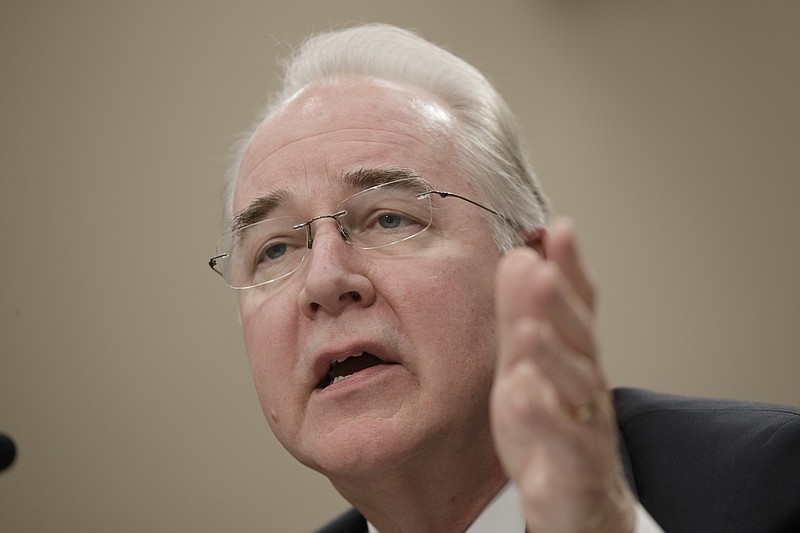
(254,170)
(260,209)
(432,116)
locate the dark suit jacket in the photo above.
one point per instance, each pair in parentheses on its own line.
(700,465)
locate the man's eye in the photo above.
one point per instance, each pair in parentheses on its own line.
(391,220)
(275,251)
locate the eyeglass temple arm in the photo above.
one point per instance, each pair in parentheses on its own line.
(445,194)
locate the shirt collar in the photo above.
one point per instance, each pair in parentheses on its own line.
(502,515)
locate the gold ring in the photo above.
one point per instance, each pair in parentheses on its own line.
(585,413)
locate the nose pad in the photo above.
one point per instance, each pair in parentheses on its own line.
(333,278)
(310,235)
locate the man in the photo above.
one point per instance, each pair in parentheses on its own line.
(416,331)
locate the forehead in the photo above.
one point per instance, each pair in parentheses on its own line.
(342,126)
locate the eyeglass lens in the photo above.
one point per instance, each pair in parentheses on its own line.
(373,218)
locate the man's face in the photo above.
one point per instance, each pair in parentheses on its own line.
(425,317)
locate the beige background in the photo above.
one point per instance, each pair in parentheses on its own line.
(669,130)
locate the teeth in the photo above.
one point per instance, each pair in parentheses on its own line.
(337,379)
(337,361)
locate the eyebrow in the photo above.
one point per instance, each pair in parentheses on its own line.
(364,178)
(369,177)
(259,209)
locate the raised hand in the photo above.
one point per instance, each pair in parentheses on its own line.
(552,416)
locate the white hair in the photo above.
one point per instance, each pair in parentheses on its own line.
(487,138)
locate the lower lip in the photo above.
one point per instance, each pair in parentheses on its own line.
(357,380)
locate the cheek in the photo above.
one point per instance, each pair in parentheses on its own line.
(269,348)
(455,319)
(453,307)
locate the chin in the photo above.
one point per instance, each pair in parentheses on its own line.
(358,448)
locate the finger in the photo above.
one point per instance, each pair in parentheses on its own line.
(526,401)
(528,286)
(528,415)
(525,413)
(577,381)
(558,464)
(562,249)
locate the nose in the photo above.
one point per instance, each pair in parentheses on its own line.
(333,275)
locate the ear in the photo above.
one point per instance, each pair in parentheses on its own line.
(536,238)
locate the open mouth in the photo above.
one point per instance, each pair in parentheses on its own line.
(342,369)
